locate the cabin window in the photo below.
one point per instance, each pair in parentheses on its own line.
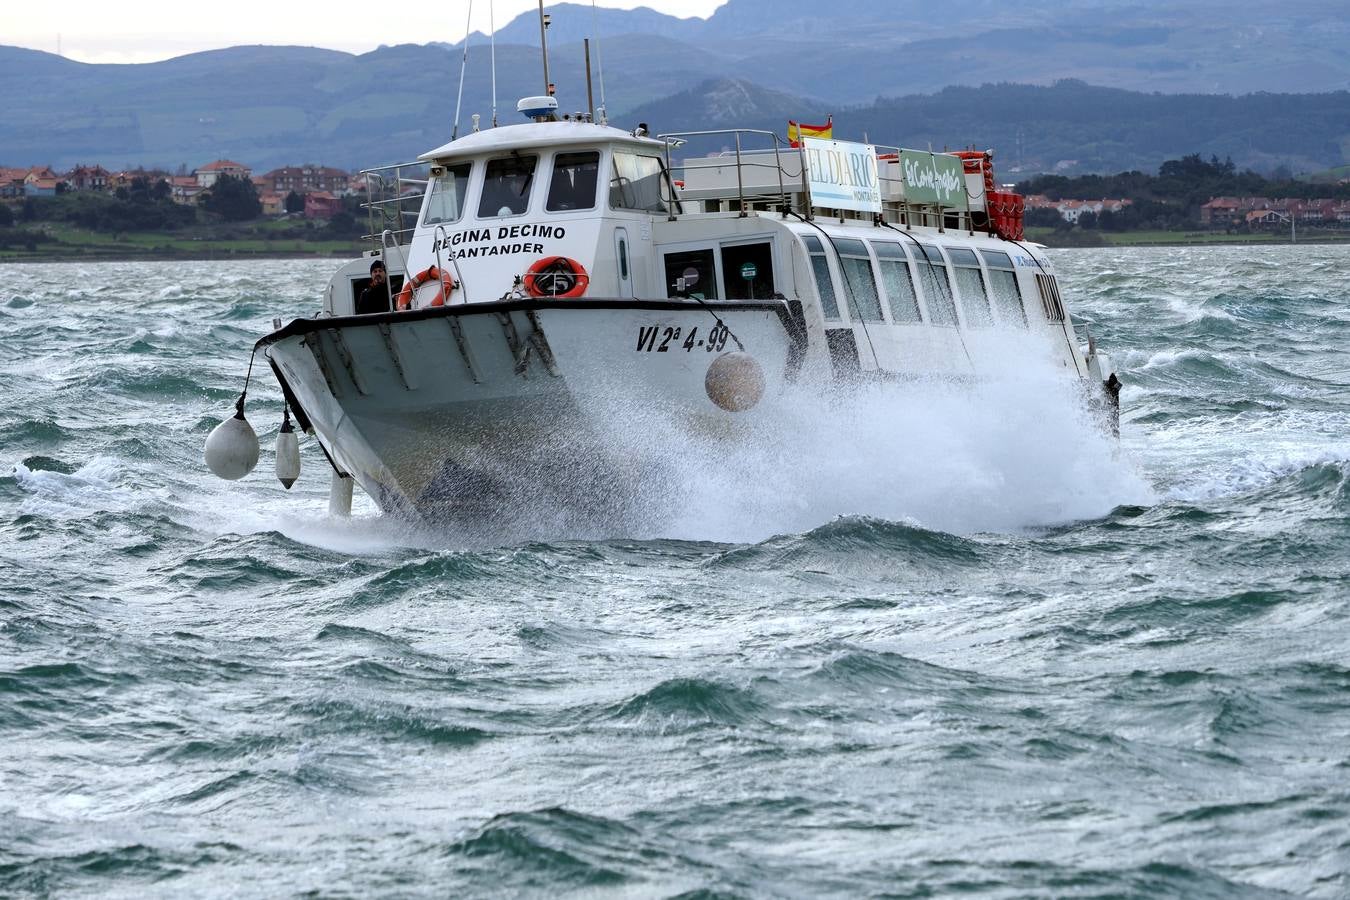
(445,201)
(1051,303)
(937,287)
(896,281)
(506,186)
(636,183)
(748,270)
(574,179)
(692,274)
(859,282)
(820,267)
(1003,288)
(970,283)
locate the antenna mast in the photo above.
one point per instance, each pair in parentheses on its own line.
(492,27)
(543,42)
(463,66)
(600,62)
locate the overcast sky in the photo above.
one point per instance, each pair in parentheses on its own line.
(147,30)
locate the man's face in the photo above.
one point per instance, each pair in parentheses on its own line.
(377,276)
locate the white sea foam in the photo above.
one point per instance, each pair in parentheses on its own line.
(90,489)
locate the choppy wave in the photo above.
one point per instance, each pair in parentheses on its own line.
(979,650)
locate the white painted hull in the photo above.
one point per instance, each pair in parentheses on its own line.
(487,411)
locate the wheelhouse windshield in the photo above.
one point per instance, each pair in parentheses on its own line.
(636,183)
(445,203)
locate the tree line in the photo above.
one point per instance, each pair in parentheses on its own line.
(147,205)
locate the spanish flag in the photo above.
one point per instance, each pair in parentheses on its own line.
(797,131)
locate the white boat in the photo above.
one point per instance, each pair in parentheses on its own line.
(570,275)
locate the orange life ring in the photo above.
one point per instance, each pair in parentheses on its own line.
(556,276)
(429,274)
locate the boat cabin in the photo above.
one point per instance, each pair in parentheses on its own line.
(572,209)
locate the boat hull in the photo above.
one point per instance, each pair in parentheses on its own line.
(490,411)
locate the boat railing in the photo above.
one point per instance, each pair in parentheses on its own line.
(1082,332)
(776,177)
(393,200)
(896,207)
(757,180)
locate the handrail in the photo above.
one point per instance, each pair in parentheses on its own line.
(678,138)
(404,165)
(442,236)
(384,251)
(386,200)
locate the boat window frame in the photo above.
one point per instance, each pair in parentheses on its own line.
(865,256)
(902,258)
(514,155)
(661,251)
(666,187)
(949,304)
(746,240)
(470,192)
(553,172)
(971,263)
(824,256)
(1023,321)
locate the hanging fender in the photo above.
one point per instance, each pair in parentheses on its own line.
(556,276)
(426,276)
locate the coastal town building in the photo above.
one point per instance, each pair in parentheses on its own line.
(1264,212)
(11,183)
(307,178)
(321,205)
(207,174)
(185,188)
(124,178)
(41,181)
(1071,210)
(87,178)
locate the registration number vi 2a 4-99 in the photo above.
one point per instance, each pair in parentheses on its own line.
(664,339)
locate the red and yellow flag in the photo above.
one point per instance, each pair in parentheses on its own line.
(799,130)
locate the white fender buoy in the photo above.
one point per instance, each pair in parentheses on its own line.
(288,453)
(735,381)
(232,446)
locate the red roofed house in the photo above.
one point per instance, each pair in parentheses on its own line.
(40,181)
(185,188)
(11,182)
(1221,211)
(125,178)
(1267,217)
(321,205)
(207,174)
(88,178)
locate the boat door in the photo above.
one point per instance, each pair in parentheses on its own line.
(625,264)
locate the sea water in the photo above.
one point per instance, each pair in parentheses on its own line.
(923,644)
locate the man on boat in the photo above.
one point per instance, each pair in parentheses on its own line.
(376,297)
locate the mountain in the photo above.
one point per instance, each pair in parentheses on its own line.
(572,22)
(1069,126)
(271,106)
(856,50)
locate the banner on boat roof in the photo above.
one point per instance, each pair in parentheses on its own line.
(937,178)
(842,175)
